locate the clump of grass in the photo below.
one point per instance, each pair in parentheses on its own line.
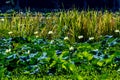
(65,23)
(108,74)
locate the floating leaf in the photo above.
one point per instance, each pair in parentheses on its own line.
(90,57)
(100,63)
(79,77)
(85,53)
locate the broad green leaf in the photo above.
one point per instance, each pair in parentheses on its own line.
(79,77)
(100,63)
(85,53)
(71,67)
(53,63)
(90,57)
(108,60)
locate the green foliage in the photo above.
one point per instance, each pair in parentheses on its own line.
(65,45)
(34,56)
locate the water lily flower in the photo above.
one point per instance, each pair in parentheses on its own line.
(117,31)
(28,52)
(80,37)
(8,50)
(52,41)
(91,38)
(66,38)
(2,19)
(10,32)
(37,36)
(50,32)
(36,32)
(71,48)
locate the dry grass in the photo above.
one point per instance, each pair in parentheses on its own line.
(69,23)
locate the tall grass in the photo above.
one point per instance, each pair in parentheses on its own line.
(65,23)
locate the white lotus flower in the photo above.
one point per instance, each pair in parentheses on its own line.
(52,41)
(50,32)
(10,32)
(28,52)
(66,38)
(37,36)
(8,50)
(80,37)
(91,38)
(71,48)
(36,32)
(117,31)
(2,19)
